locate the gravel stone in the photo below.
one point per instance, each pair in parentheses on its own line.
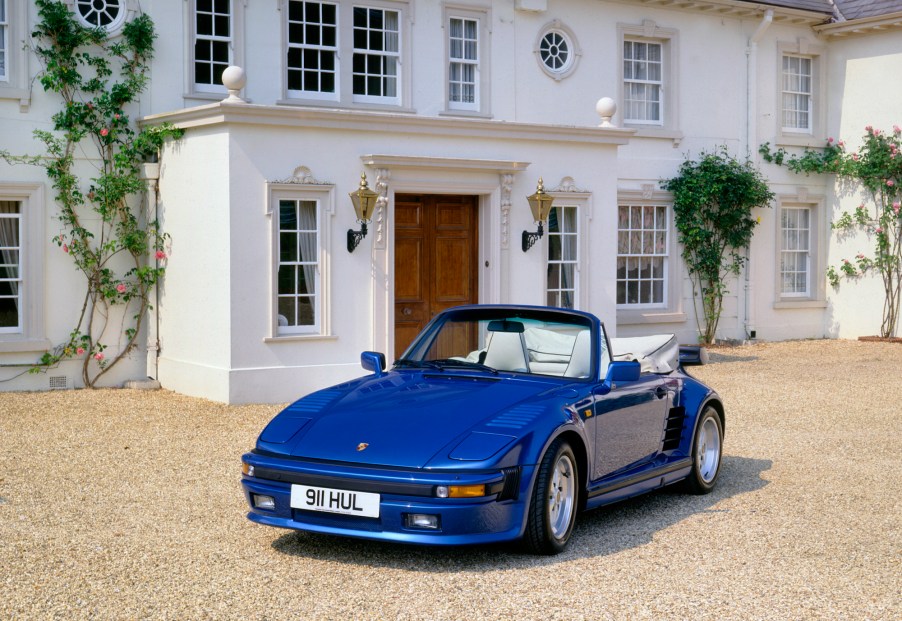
(126,504)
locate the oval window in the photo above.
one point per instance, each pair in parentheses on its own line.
(106,14)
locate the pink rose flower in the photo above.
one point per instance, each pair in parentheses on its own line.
(104,131)
(841,143)
(830,140)
(66,248)
(80,351)
(868,128)
(897,129)
(855,156)
(160,255)
(120,287)
(116,116)
(846,261)
(98,356)
(859,256)
(896,206)
(890,183)
(879,229)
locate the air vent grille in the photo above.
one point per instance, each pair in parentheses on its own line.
(674,430)
(59,382)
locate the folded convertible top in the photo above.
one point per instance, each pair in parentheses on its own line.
(658,353)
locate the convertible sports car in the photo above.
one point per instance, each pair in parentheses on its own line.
(497,423)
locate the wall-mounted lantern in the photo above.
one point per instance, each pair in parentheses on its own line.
(540,204)
(364,200)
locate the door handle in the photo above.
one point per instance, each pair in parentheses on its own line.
(660,392)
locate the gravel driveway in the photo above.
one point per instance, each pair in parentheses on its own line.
(120,504)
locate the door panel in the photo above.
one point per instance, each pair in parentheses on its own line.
(629,425)
(436,254)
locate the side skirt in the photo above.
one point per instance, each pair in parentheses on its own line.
(632,485)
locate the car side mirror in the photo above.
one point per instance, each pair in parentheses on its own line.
(620,371)
(373,361)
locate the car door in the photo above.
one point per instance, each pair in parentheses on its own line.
(629,424)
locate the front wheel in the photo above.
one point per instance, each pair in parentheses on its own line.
(552,510)
(707,448)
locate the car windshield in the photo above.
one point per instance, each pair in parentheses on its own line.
(542,342)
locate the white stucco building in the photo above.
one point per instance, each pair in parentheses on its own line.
(454,110)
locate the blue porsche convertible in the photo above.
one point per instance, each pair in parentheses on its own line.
(497,423)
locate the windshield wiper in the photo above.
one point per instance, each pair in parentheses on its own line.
(444,363)
(465,364)
(418,364)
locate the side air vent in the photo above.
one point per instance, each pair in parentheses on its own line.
(59,382)
(674,429)
(511,488)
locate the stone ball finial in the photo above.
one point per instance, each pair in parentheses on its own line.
(234,78)
(606,109)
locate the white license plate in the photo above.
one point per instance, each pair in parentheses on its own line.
(329,500)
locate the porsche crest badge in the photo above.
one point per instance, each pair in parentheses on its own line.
(362,446)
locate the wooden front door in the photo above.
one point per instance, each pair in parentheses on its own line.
(436,255)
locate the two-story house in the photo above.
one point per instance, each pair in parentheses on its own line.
(454,110)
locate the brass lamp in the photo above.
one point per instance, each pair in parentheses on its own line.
(364,200)
(540,203)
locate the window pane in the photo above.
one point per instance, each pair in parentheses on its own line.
(642,254)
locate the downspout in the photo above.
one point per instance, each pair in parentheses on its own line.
(150,172)
(751,134)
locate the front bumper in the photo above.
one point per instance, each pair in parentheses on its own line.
(402,492)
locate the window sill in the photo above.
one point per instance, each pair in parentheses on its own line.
(800,140)
(337,105)
(18,345)
(638,317)
(294,338)
(801,303)
(208,96)
(472,114)
(659,133)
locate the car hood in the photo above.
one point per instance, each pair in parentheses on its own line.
(405,419)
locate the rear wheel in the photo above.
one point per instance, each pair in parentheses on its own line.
(707,448)
(552,510)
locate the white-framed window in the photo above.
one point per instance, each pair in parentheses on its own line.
(298,274)
(377,54)
(214,31)
(312,49)
(795,249)
(648,77)
(562,283)
(643,82)
(797,93)
(4,41)
(106,14)
(346,53)
(557,50)
(22,246)
(643,255)
(213,27)
(801,92)
(301,227)
(463,63)
(14,60)
(467,80)
(10,266)
(800,233)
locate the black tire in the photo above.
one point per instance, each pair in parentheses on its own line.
(707,450)
(555,501)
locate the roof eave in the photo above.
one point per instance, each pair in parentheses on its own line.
(741,10)
(864,26)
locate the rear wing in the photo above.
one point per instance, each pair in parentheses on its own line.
(693,355)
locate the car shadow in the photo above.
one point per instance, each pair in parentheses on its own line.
(719,356)
(600,532)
